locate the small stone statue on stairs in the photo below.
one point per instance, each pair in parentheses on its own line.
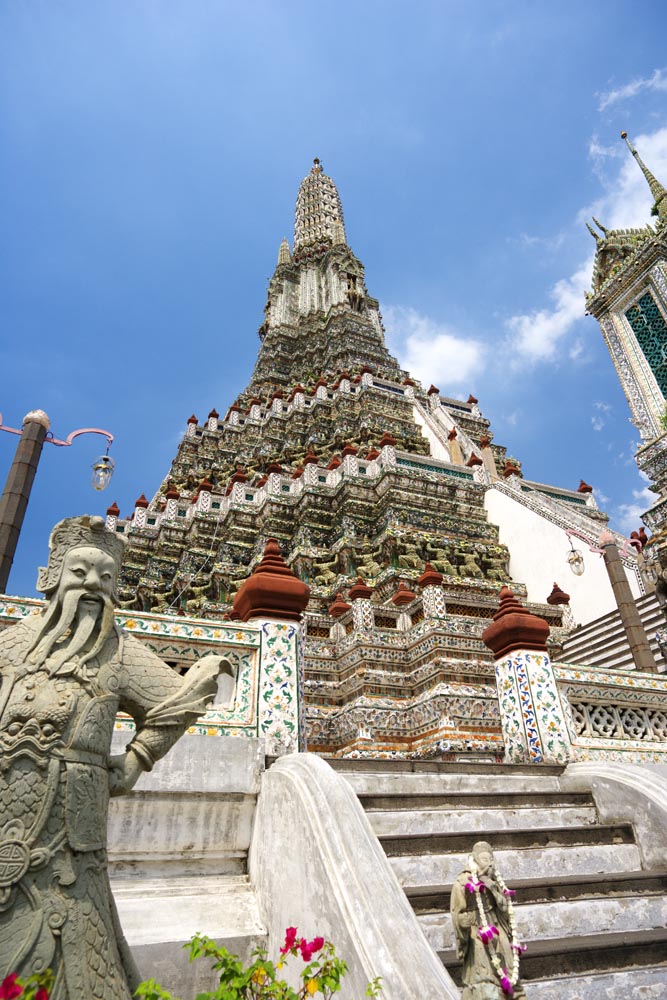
(485,930)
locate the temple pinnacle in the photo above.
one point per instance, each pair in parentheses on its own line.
(318,222)
(657,190)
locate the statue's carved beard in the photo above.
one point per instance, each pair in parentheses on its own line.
(89,624)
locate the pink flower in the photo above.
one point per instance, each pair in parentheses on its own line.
(506,984)
(520,948)
(510,893)
(290,940)
(308,948)
(487,933)
(9,988)
(41,994)
(474,885)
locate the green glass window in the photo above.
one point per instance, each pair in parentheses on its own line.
(650,329)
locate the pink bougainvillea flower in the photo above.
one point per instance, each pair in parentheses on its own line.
(506,984)
(41,994)
(9,988)
(317,943)
(290,940)
(306,951)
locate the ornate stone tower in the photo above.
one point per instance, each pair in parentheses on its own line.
(374,490)
(629,298)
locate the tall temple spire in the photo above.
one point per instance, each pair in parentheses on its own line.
(657,190)
(319,213)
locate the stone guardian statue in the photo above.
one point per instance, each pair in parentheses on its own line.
(485,930)
(63,677)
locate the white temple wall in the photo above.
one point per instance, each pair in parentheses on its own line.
(438,449)
(538,557)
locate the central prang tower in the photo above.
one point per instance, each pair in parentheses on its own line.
(375,492)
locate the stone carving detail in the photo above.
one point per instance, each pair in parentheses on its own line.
(63,677)
(619,722)
(483,919)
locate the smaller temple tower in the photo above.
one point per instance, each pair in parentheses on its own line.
(629,299)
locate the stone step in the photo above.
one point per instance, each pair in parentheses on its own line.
(390,823)
(421,844)
(584,860)
(435,898)
(560,958)
(493,780)
(541,921)
(628,984)
(440,767)
(173,909)
(485,800)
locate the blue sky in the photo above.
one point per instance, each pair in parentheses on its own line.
(150,156)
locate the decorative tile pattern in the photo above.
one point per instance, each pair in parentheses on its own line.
(532,716)
(279,701)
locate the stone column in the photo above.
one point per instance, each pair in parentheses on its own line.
(387,446)
(140,508)
(274,598)
(113,513)
(487,457)
(171,510)
(455,453)
(204,497)
(350,461)
(401,599)
(362,609)
(531,713)
(627,609)
(337,610)
(433,594)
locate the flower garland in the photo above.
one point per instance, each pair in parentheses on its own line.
(488,931)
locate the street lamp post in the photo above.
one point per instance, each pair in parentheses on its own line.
(16,493)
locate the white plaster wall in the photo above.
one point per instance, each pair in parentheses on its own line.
(538,557)
(438,448)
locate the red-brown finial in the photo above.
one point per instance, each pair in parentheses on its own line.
(514,627)
(272,591)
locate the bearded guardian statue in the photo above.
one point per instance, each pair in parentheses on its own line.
(485,930)
(63,677)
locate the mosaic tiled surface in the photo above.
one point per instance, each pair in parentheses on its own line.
(531,713)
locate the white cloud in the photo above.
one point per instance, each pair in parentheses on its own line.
(598,423)
(536,336)
(429,350)
(544,242)
(629,515)
(657,81)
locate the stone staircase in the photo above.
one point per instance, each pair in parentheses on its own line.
(602,642)
(594,921)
